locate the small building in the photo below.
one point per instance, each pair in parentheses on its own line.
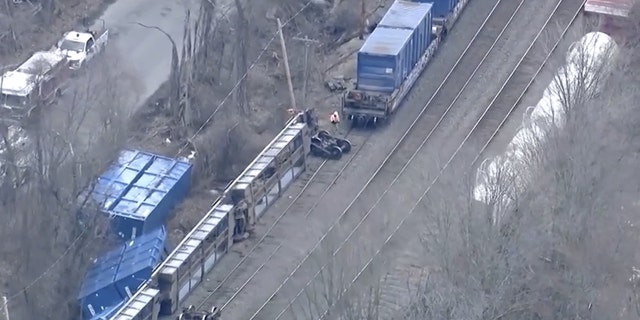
(609,15)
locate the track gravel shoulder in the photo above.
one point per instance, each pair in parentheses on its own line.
(298,233)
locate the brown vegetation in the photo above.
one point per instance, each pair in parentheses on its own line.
(48,245)
(50,231)
(565,249)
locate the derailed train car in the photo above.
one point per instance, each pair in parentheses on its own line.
(244,201)
(501,179)
(395,54)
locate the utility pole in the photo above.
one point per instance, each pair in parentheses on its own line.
(307,44)
(6,307)
(363,17)
(286,66)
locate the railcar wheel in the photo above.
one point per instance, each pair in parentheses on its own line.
(344,145)
(335,152)
(316,151)
(324,134)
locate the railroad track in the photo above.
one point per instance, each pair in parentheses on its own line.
(395,164)
(225,287)
(402,276)
(235,283)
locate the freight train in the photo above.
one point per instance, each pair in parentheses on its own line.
(499,180)
(395,54)
(243,202)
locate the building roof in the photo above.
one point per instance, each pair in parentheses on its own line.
(619,8)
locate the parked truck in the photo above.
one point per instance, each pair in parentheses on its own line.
(82,46)
(38,81)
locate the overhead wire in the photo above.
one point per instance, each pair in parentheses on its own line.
(186,144)
(244,76)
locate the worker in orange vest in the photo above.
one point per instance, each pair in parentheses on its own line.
(335,121)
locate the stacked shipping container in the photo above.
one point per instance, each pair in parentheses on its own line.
(139,191)
(116,275)
(147,204)
(393,48)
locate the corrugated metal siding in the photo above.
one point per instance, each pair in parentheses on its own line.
(413,16)
(146,205)
(138,261)
(98,291)
(109,312)
(383,61)
(118,178)
(441,8)
(117,274)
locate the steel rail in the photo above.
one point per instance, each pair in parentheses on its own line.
(261,241)
(395,148)
(435,180)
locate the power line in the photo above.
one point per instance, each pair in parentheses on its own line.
(75,241)
(246,73)
(307,43)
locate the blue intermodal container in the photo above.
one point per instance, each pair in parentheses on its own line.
(147,204)
(117,180)
(139,259)
(413,16)
(98,291)
(441,8)
(108,312)
(116,275)
(384,60)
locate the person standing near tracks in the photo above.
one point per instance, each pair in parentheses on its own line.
(335,123)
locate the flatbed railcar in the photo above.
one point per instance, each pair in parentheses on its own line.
(381,87)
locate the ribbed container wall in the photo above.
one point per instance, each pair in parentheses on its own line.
(149,201)
(98,291)
(441,8)
(117,274)
(384,60)
(119,177)
(138,261)
(412,16)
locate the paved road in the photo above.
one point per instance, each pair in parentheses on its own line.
(146,52)
(137,61)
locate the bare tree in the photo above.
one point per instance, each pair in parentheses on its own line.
(330,293)
(563,248)
(51,227)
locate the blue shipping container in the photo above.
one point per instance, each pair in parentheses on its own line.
(413,16)
(441,8)
(112,184)
(98,291)
(146,205)
(117,274)
(108,312)
(383,61)
(141,256)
